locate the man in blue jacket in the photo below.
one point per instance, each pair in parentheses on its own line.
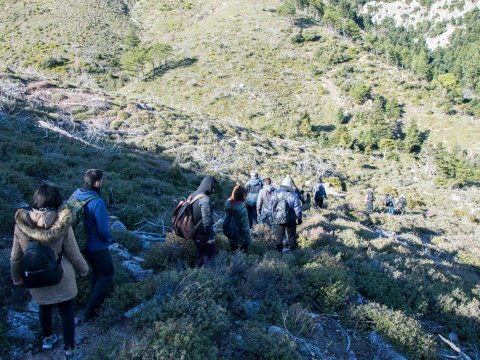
(99,238)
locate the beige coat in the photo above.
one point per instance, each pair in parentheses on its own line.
(52,229)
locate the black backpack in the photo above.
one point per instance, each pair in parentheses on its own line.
(40,267)
(231,229)
(182,219)
(282,213)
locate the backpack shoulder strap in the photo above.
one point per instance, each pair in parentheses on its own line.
(87,200)
(198,197)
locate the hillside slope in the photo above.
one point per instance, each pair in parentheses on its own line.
(248,69)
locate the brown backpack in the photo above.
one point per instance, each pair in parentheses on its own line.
(182,219)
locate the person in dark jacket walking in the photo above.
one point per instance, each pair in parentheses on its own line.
(253,186)
(235,207)
(402,205)
(390,204)
(203,218)
(370,199)
(264,203)
(319,193)
(286,214)
(99,238)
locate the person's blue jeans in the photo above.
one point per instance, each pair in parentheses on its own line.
(391,210)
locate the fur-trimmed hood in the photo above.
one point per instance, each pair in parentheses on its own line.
(44,226)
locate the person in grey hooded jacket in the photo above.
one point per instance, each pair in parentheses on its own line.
(203,217)
(286,215)
(253,186)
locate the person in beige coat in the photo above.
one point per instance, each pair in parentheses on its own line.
(52,227)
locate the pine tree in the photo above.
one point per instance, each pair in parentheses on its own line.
(413,139)
(452,167)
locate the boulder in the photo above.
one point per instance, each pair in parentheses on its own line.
(20,324)
(136,270)
(384,351)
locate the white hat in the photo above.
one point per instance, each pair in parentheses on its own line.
(288,181)
(253,174)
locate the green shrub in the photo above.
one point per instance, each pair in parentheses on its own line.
(17,180)
(333,52)
(10,196)
(326,283)
(57,97)
(123,115)
(116,124)
(271,279)
(314,238)
(36,166)
(402,331)
(124,297)
(360,92)
(253,342)
(170,339)
(129,168)
(130,241)
(173,250)
(337,183)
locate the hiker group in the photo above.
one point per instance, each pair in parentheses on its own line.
(53,238)
(393,206)
(256,202)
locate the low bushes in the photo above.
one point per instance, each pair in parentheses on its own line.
(401,330)
(326,283)
(130,241)
(173,250)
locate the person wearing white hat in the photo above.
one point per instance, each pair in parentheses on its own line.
(286,214)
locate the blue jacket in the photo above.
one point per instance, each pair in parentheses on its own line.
(321,191)
(96,220)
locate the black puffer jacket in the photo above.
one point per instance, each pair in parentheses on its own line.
(203,209)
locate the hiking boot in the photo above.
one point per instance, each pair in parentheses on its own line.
(72,354)
(49,341)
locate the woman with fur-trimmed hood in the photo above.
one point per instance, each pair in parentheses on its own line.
(51,227)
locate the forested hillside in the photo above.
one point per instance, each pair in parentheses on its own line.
(160,93)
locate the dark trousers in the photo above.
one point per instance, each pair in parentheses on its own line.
(252,215)
(204,252)
(319,202)
(101,263)
(369,207)
(286,237)
(68,322)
